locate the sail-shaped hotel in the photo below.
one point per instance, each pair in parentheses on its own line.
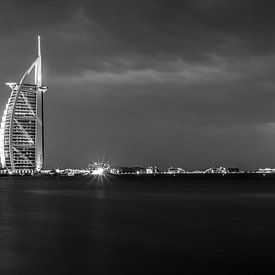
(22,129)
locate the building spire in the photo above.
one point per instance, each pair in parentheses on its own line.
(38,69)
(39,49)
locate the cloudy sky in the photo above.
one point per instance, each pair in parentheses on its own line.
(186,83)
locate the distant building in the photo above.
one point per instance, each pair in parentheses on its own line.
(233,170)
(216,170)
(98,168)
(266,171)
(173,170)
(22,129)
(152,170)
(128,170)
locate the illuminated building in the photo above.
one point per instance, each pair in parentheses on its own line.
(128,170)
(173,170)
(21,132)
(152,170)
(216,170)
(98,168)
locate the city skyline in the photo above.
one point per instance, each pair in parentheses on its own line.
(178,83)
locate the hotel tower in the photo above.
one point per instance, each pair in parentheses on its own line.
(22,131)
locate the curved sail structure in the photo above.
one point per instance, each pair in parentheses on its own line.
(21,132)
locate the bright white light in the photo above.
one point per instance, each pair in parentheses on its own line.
(99,171)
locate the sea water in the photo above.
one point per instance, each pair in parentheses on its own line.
(136,225)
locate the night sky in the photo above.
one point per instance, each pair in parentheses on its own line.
(184,83)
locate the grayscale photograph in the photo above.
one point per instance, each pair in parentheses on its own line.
(137,137)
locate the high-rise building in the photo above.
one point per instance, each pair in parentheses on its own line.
(22,129)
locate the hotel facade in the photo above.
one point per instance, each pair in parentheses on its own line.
(22,125)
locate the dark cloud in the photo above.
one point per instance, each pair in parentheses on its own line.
(184,82)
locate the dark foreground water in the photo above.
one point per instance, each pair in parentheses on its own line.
(80,225)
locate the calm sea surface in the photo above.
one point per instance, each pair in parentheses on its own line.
(84,225)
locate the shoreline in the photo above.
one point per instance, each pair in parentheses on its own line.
(250,175)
